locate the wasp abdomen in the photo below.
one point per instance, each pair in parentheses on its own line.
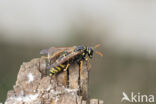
(57,69)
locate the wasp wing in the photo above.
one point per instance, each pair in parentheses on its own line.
(54,52)
(64,59)
(44,51)
(48,50)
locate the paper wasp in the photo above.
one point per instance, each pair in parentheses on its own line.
(67,55)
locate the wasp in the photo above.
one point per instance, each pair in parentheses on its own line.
(77,54)
(53,53)
(65,56)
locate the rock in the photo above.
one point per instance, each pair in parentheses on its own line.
(34,86)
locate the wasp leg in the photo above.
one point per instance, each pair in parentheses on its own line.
(65,74)
(88,63)
(51,75)
(67,67)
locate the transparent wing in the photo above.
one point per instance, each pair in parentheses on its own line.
(44,51)
(55,52)
(64,59)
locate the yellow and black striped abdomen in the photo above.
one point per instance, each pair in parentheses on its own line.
(57,69)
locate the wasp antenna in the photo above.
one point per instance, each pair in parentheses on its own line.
(97,45)
(99,53)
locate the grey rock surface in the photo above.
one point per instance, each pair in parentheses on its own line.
(33,86)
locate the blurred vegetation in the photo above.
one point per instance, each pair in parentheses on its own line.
(110,75)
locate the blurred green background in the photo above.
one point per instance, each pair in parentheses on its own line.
(125,30)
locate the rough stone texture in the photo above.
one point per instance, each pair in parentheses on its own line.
(33,86)
(84,78)
(74,81)
(94,101)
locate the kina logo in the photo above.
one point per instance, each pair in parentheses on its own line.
(137,97)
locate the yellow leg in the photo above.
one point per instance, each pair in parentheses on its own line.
(88,63)
(65,74)
(67,67)
(51,75)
